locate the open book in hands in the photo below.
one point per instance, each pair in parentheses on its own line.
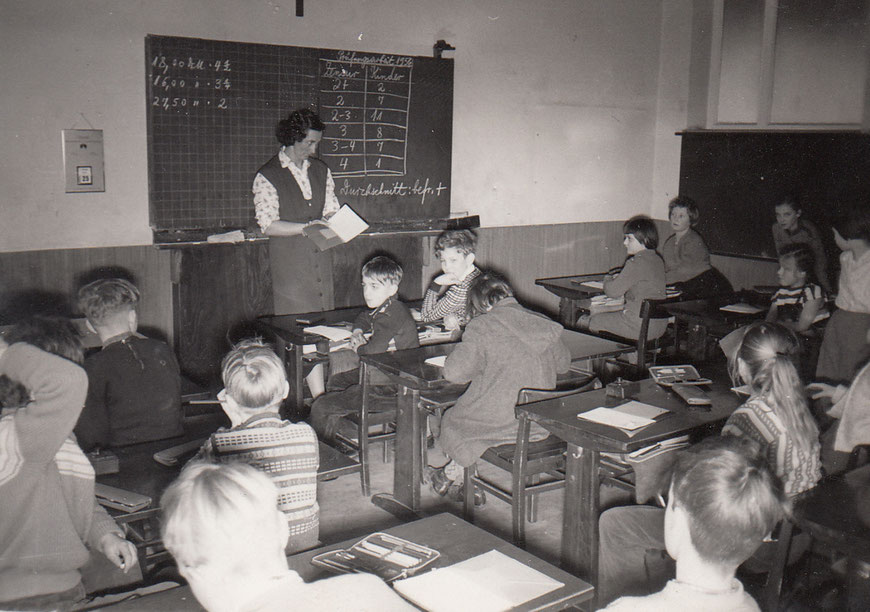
(343,226)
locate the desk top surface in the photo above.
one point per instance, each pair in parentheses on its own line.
(571,286)
(710,310)
(454,538)
(559,416)
(838,511)
(410,367)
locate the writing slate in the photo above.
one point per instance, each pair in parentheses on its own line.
(737,178)
(212,109)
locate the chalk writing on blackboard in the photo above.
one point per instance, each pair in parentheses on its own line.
(183,85)
(365,99)
(418,188)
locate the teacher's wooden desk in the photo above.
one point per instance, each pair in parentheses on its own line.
(455,539)
(587,440)
(419,380)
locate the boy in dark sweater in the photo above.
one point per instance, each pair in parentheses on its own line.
(134,390)
(387,323)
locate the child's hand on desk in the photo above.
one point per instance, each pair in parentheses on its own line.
(415,314)
(356,340)
(119,551)
(451,321)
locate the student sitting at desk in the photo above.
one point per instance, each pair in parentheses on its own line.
(222,526)
(134,383)
(642,277)
(447,294)
(723,502)
(505,348)
(775,418)
(799,303)
(790,228)
(387,322)
(51,520)
(687,260)
(255,384)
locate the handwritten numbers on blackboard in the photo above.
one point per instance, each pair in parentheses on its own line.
(367,123)
(180,78)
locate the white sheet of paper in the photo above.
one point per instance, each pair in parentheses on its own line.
(640,409)
(347,224)
(594,284)
(437,361)
(490,582)
(614,418)
(741,308)
(333,333)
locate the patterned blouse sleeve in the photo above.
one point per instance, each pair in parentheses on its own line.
(330,205)
(265,202)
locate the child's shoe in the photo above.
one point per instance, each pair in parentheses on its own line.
(439,481)
(457,493)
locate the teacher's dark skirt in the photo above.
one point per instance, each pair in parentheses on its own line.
(301,276)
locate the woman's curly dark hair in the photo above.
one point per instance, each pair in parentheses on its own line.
(294,128)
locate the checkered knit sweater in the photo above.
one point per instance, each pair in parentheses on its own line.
(288,453)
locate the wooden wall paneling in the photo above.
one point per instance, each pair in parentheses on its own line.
(349,258)
(221,291)
(47,281)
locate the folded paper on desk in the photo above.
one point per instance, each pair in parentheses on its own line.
(333,333)
(343,226)
(490,582)
(438,361)
(628,417)
(741,308)
(593,284)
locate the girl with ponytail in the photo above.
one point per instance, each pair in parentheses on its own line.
(776,416)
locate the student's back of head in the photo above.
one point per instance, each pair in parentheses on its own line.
(253,376)
(222,525)
(109,301)
(55,335)
(486,291)
(730,499)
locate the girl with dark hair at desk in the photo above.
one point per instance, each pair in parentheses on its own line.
(290,191)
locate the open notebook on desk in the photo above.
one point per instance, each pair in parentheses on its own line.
(629,417)
(490,582)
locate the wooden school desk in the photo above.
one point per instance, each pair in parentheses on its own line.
(587,440)
(289,330)
(571,292)
(417,379)
(455,539)
(706,316)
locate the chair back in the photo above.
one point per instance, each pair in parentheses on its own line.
(529,396)
(649,309)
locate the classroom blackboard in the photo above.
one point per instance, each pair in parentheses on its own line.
(738,177)
(212,108)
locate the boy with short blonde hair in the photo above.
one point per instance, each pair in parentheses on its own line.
(255,384)
(134,390)
(221,524)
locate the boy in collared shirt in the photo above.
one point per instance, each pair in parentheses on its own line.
(134,382)
(447,294)
(386,323)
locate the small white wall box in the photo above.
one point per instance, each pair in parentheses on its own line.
(83,161)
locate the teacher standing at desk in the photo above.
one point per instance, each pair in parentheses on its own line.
(291,190)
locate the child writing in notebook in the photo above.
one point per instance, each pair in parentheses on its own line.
(843,346)
(51,520)
(255,384)
(447,294)
(775,419)
(642,277)
(790,228)
(504,348)
(387,322)
(799,303)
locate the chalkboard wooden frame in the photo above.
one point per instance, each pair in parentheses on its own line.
(212,108)
(738,177)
